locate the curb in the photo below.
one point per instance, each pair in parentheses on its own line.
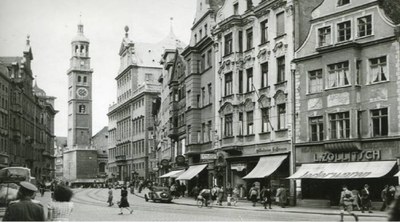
(291,211)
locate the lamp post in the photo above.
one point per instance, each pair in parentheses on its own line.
(292,141)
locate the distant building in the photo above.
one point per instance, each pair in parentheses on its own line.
(60,144)
(80,159)
(27,118)
(100,143)
(131,124)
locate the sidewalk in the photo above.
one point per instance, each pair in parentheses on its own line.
(247,205)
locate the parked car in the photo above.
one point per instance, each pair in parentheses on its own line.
(158,194)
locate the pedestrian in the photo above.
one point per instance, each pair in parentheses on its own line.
(61,208)
(281,195)
(110,197)
(173,190)
(356,201)
(229,191)
(220,195)
(253,193)
(205,195)
(391,194)
(346,203)
(25,209)
(266,197)
(214,193)
(42,189)
(182,189)
(365,199)
(235,196)
(195,192)
(384,197)
(124,201)
(394,212)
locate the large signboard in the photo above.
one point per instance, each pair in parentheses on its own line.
(370,155)
(208,156)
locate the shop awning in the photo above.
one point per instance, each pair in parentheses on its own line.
(266,166)
(373,169)
(172,174)
(191,172)
(397,174)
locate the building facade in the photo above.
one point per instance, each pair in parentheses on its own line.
(80,159)
(27,124)
(132,152)
(100,143)
(347,87)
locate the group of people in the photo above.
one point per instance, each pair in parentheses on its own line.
(123,203)
(26,208)
(177,189)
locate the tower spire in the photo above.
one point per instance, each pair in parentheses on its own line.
(171,30)
(80,25)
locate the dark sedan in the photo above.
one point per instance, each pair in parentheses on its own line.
(159,194)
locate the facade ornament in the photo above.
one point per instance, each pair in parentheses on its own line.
(278,4)
(289,10)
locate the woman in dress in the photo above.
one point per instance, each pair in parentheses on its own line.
(61,208)
(124,201)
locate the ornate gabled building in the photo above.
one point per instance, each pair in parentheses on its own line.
(131,124)
(27,129)
(347,88)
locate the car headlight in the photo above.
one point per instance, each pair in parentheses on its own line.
(164,195)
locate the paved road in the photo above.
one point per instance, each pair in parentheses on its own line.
(90,205)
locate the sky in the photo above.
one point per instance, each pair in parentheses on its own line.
(51,25)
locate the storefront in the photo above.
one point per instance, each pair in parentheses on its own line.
(322,174)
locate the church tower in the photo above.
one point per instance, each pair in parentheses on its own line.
(79,93)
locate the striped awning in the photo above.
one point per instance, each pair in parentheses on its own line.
(172,174)
(266,166)
(191,172)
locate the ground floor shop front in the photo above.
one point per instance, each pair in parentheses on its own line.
(320,174)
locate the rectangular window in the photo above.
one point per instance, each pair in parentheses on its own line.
(228,44)
(203,63)
(265,120)
(209,136)
(380,123)
(249,38)
(281,116)
(264,75)
(203,96)
(364,26)
(338,74)
(209,93)
(250,122)
(240,123)
(339,125)
(264,31)
(249,4)
(240,83)
(236,8)
(249,73)
(324,36)
(316,128)
(281,69)
(358,71)
(205,30)
(280,24)
(200,34)
(344,31)
(315,81)
(378,69)
(203,132)
(189,133)
(228,84)
(228,125)
(343,2)
(240,41)
(209,58)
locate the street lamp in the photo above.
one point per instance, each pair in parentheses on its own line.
(292,141)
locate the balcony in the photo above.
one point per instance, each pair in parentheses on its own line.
(173,132)
(120,159)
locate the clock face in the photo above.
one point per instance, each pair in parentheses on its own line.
(82,92)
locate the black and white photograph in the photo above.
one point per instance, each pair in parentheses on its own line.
(200,110)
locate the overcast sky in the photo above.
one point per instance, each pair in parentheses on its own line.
(52,24)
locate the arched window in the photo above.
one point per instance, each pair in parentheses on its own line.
(82,48)
(82,109)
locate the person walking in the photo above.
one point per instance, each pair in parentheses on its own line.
(214,193)
(235,196)
(384,195)
(195,192)
(110,197)
(253,194)
(25,209)
(356,201)
(205,195)
(266,197)
(365,199)
(124,201)
(220,195)
(346,203)
(281,195)
(61,208)
(173,190)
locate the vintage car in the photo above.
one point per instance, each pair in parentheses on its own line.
(158,194)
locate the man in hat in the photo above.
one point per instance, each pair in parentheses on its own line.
(25,209)
(365,199)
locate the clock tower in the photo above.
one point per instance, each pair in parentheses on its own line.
(79,93)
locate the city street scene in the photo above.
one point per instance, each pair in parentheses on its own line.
(200,110)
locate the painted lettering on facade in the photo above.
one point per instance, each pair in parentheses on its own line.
(370,155)
(270,149)
(322,174)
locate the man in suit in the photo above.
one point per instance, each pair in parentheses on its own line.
(25,209)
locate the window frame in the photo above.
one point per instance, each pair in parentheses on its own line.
(319,36)
(281,125)
(338,72)
(228,125)
(321,81)
(371,26)
(228,82)
(350,29)
(318,123)
(264,74)
(379,65)
(228,44)
(249,38)
(265,120)
(281,69)
(249,79)
(339,124)
(250,122)
(264,31)
(379,117)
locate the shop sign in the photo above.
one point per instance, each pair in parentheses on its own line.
(238,166)
(270,149)
(323,174)
(208,156)
(180,159)
(370,155)
(164,162)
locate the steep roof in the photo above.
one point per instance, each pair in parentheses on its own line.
(102,131)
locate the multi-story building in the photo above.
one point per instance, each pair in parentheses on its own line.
(80,159)
(131,124)
(4,115)
(60,144)
(100,143)
(347,100)
(29,118)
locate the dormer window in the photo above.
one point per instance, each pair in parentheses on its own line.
(364,26)
(324,36)
(343,2)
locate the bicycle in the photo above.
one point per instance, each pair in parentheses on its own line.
(201,202)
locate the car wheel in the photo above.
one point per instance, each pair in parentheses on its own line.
(146,198)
